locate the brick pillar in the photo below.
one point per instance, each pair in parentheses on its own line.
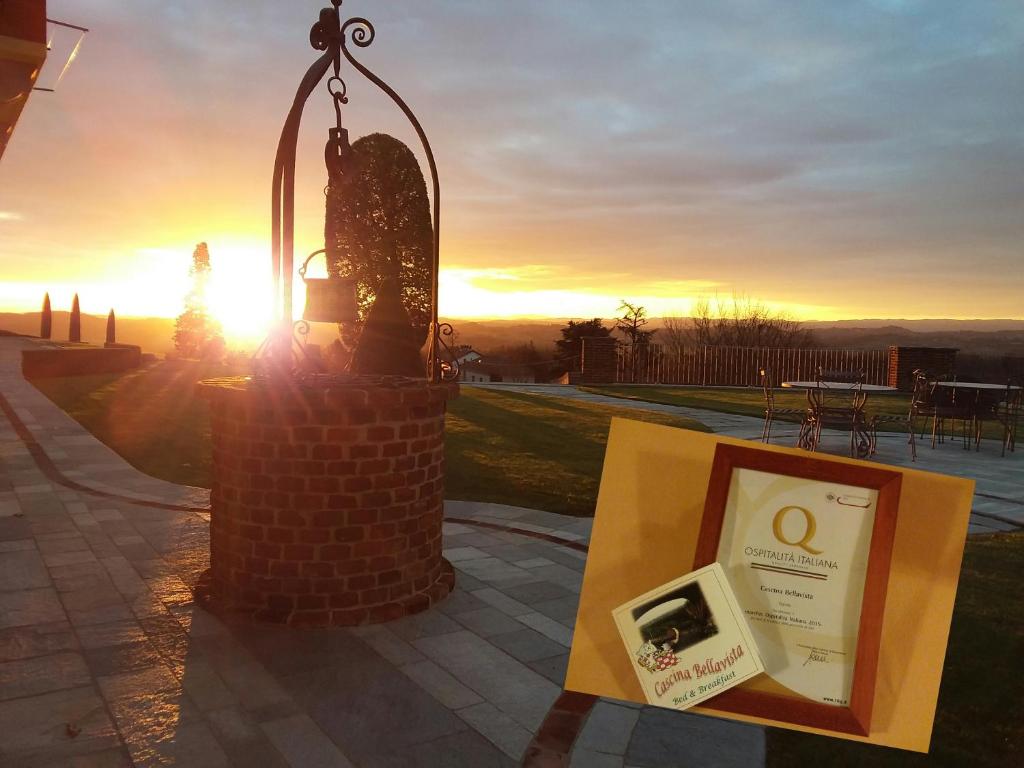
(903,361)
(600,358)
(327,498)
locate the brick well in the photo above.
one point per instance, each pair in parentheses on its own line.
(327,499)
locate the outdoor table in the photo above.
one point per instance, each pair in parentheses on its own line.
(862,442)
(986,399)
(839,386)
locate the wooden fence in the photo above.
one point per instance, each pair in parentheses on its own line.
(740,366)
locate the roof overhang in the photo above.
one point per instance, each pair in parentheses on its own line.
(22,53)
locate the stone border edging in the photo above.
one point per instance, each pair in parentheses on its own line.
(53,473)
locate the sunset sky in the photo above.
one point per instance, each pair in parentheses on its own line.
(836,159)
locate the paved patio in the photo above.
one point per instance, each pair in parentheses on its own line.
(105,660)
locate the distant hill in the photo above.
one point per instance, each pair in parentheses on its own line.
(981,337)
(153,334)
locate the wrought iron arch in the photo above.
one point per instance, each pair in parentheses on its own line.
(332,37)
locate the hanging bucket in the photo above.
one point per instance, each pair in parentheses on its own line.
(328,300)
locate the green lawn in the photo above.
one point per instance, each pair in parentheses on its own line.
(531,451)
(750,402)
(151,416)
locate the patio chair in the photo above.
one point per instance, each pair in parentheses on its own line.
(770,411)
(1011,415)
(1005,409)
(825,412)
(920,405)
(951,404)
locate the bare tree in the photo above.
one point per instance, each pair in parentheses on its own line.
(675,334)
(744,322)
(631,325)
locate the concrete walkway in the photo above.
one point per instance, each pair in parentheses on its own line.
(105,660)
(999,480)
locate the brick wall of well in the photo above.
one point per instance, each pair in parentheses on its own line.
(327,500)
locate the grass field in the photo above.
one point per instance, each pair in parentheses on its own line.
(531,451)
(750,402)
(503,447)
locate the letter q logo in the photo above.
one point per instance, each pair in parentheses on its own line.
(810,526)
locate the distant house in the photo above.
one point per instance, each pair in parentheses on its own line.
(473,372)
(493,370)
(465,355)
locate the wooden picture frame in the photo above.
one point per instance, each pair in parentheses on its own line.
(853,713)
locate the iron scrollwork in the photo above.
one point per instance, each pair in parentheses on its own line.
(332,38)
(447,361)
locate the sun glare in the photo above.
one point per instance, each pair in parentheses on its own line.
(240,293)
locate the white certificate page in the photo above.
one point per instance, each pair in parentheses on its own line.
(795,552)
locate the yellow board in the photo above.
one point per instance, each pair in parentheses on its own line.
(645,533)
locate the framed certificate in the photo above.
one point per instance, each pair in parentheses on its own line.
(806,544)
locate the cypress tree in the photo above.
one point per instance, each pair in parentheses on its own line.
(110,327)
(46,319)
(75,324)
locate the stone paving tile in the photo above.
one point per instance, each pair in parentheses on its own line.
(587,758)
(538,592)
(30,606)
(36,727)
(114,633)
(460,601)
(366,705)
(303,744)
(562,610)
(662,736)
(22,570)
(124,657)
(608,728)
(387,644)
(533,562)
(501,680)
(498,728)
(426,624)
(502,602)
(441,685)
(251,683)
(36,640)
(18,545)
(548,627)
(552,667)
(456,554)
(467,749)
(242,739)
(527,644)
(487,621)
(69,558)
(42,674)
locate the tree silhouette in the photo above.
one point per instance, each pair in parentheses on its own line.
(75,321)
(631,324)
(195,333)
(377,227)
(111,328)
(571,343)
(46,319)
(744,322)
